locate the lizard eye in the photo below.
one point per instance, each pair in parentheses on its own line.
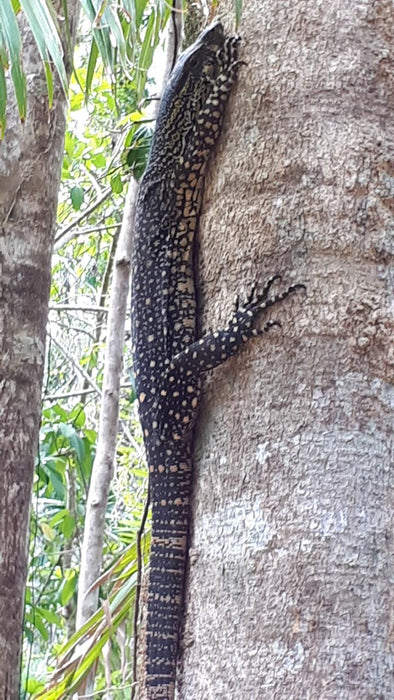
(209,68)
(194,63)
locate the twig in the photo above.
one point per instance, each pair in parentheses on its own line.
(71,394)
(67,229)
(71,307)
(78,367)
(94,229)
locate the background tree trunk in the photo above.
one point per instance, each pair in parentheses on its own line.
(290,587)
(30,161)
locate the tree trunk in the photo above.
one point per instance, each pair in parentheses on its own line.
(290,585)
(30,161)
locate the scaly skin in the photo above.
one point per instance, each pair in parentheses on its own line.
(167,359)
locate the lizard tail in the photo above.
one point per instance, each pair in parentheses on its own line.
(170,508)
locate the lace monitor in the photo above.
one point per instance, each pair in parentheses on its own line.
(167,359)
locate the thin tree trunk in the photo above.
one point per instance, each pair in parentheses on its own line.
(102,471)
(30,161)
(290,591)
(92,548)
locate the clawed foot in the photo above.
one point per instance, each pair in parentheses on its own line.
(256,303)
(227,58)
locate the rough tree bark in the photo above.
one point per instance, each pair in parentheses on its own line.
(30,161)
(290,591)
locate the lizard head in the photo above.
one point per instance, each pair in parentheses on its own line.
(199,58)
(194,99)
(192,77)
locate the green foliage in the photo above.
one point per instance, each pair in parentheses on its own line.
(136,148)
(80,653)
(67,448)
(66,453)
(10,56)
(42,20)
(96,167)
(124,35)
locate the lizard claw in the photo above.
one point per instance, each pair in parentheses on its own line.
(267,327)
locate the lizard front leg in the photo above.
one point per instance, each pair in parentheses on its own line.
(218,346)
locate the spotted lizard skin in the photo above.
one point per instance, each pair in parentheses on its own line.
(167,359)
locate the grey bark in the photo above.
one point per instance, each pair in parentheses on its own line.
(30,160)
(290,591)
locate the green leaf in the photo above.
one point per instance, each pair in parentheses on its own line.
(140,6)
(50,616)
(58,516)
(111,20)
(3,101)
(116,184)
(56,480)
(137,144)
(68,526)
(66,430)
(46,35)
(238,12)
(78,416)
(10,41)
(68,588)
(91,435)
(76,101)
(49,79)
(77,196)
(146,55)
(48,532)
(57,410)
(33,685)
(36,621)
(91,66)
(101,35)
(29,635)
(78,445)
(16,6)
(99,160)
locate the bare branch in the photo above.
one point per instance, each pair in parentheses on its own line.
(67,233)
(72,394)
(72,307)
